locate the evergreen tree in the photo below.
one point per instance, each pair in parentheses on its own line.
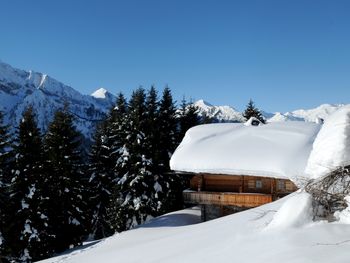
(151,124)
(168,125)
(205,119)
(66,183)
(188,117)
(135,200)
(101,180)
(104,158)
(252,111)
(159,134)
(5,156)
(170,196)
(29,233)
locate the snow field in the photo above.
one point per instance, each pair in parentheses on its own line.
(242,237)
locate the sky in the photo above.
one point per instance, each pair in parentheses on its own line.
(283,54)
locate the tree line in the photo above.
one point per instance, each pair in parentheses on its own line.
(53,197)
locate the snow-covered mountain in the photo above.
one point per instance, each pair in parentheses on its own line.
(323,111)
(19,88)
(230,114)
(218,113)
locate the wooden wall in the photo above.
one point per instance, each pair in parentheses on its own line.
(241,184)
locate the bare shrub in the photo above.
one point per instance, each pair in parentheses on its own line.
(329,192)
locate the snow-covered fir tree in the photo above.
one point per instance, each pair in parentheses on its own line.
(5,156)
(152,133)
(167,126)
(135,188)
(188,117)
(252,111)
(29,229)
(170,195)
(105,155)
(66,182)
(101,180)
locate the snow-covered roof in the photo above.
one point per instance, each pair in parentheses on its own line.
(331,148)
(278,150)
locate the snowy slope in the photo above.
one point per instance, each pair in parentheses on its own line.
(275,149)
(19,88)
(268,233)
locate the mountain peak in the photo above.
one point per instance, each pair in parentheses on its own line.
(20,88)
(218,113)
(101,93)
(201,103)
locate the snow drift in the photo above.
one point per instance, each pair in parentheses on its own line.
(331,148)
(295,212)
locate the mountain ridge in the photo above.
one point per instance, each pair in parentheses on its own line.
(225,113)
(20,88)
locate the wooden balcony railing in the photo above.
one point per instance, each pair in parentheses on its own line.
(225,198)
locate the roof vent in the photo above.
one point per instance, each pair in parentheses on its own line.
(252,122)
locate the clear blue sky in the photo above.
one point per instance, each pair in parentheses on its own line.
(283,54)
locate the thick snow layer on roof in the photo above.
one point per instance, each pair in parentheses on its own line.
(331,148)
(278,150)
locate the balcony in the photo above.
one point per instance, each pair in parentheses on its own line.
(246,200)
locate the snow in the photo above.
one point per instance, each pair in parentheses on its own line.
(242,237)
(230,114)
(280,117)
(344,216)
(331,148)
(19,88)
(295,212)
(25,256)
(24,205)
(74,221)
(220,113)
(100,93)
(157,187)
(323,111)
(32,190)
(277,150)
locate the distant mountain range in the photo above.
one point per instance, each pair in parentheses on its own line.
(230,114)
(19,88)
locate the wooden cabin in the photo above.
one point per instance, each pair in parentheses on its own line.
(237,166)
(220,194)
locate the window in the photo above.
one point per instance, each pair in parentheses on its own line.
(258,184)
(280,185)
(289,186)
